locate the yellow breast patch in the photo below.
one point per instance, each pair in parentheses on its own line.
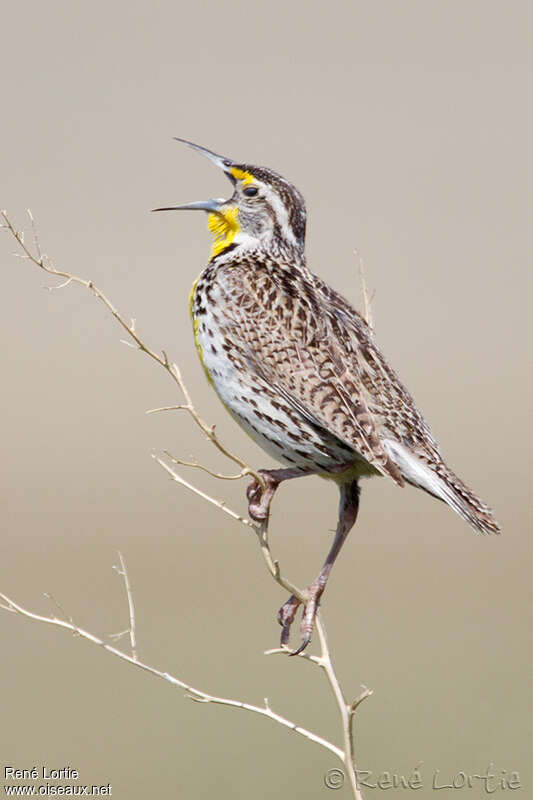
(196,329)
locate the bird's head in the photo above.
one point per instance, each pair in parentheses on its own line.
(265,211)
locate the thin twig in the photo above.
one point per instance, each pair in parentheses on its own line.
(196,465)
(351,712)
(367,314)
(131,608)
(165,408)
(218,503)
(59,607)
(35,236)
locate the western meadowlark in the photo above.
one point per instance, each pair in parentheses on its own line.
(297,367)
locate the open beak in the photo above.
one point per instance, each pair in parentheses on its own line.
(198,205)
(215,206)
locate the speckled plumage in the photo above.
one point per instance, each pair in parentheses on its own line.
(299,369)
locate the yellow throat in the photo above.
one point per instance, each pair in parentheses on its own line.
(224,225)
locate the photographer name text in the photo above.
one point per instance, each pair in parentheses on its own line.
(41,773)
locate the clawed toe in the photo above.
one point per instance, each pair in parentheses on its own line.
(305,642)
(256,506)
(287,613)
(260,497)
(286,616)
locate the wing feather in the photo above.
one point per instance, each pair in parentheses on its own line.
(296,342)
(307,343)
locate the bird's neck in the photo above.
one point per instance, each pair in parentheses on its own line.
(243,247)
(229,236)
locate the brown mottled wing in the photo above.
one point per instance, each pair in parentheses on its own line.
(292,335)
(390,404)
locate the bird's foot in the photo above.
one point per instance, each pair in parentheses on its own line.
(288,610)
(286,616)
(259,497)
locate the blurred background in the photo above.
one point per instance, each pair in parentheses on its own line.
(408,128)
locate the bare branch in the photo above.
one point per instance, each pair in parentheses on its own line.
(193,693)
(220,475)
(58,605)
(59,286)
(272,565)
(124,573)
(352,708)
(286,651)
(218,503)
(166,408)
(359,699)
(120,635)
(35,236)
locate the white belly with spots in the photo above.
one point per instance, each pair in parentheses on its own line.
(268,418)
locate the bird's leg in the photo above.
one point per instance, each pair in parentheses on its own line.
(348,508)
(259,499)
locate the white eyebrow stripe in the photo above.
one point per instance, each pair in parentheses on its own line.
(282,216)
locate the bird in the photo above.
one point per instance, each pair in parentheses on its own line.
(299,370)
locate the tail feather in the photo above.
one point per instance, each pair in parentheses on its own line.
(439,480)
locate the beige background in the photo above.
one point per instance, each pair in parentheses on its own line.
(408,128)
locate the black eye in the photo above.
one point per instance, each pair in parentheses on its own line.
(250,191)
